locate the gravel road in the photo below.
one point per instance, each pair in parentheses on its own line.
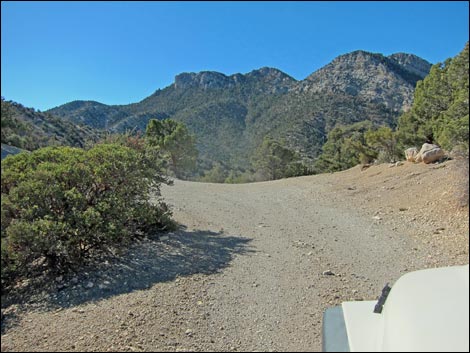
(252,268)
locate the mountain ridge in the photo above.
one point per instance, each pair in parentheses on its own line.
(29,129)
(231,114)
(405,59)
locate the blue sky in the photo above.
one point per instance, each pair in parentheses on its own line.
(121,52)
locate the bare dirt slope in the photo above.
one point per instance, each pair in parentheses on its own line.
(255,265)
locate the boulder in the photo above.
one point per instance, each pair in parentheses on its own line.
(429,153)
(410,154)
(433,155)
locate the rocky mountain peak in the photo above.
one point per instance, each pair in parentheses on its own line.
(412,63)
(376,78)
(273,79)
(358,60)
(269,72)
(270,78)
(203,79)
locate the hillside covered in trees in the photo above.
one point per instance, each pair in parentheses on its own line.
(263,125)
(29,129)
(440,108)
(230,116)
(439,114)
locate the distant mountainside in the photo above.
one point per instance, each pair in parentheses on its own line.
(373,77)
(29,129)
(230,115)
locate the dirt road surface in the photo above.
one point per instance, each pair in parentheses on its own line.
(254,266)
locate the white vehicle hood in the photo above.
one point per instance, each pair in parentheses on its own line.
(426,310)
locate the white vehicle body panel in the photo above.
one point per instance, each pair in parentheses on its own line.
(426,310)
(362,325)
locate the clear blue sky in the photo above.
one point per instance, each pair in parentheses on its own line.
(121,52)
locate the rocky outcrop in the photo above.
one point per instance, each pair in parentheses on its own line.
(272,80)
(374,77)
(412,63)
(204,80)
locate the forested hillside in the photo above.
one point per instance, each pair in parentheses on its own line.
(231,115)
(439,114)
(29,129)
(440,109)
(361,107)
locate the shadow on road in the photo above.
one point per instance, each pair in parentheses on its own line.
(151,261)
(144,264)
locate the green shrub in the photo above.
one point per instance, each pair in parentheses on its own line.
(274,160)
(440,107)
(175,143)
(60,204)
